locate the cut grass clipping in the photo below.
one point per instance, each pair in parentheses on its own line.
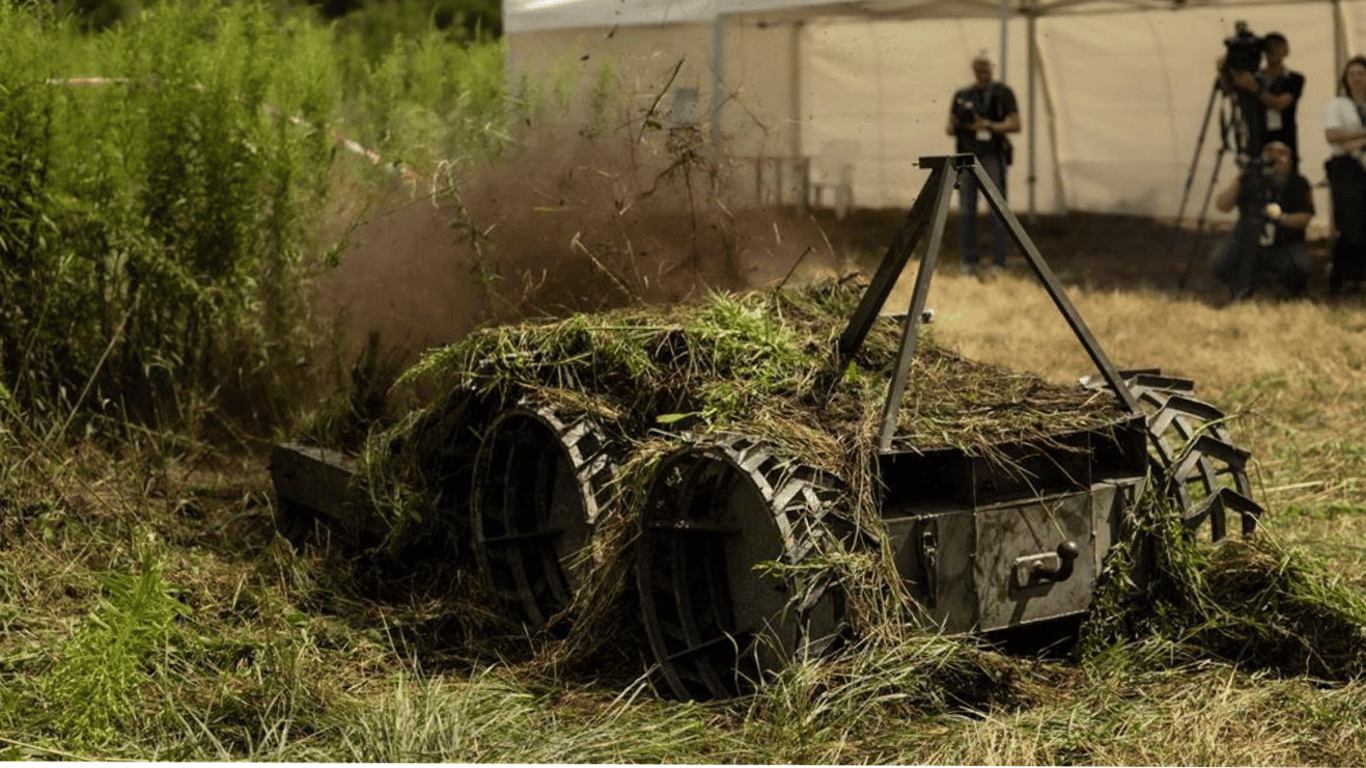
(1250,602)
(759,365)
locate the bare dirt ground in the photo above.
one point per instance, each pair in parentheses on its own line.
(1096,251)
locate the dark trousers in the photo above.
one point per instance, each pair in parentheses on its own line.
(1234,260)
(1242,263)
(995,167)
(1347,180)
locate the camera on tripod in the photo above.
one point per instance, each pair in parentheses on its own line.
(1257,189)
(1244,49)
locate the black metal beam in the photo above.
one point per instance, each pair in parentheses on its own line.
(931,210)
(947,177)
(1054,288)
(907,237)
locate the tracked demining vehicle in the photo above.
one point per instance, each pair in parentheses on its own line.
(757,475)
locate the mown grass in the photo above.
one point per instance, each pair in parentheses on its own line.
(1293,373)
(149,611)
(154,572)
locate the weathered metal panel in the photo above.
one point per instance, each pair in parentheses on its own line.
(1011,471)
(1000,565)
(1009,534)
(319,480)
(934,555)
(1114,516)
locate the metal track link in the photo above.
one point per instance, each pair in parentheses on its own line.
(1203,471)
(540,484)
(715,511)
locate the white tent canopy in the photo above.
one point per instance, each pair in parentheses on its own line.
(529,15)
(1113,93)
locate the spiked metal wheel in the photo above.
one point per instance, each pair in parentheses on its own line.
(1204,472)
(539,483)
(715,622)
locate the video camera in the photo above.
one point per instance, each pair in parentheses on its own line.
(1244,49)
(964,112)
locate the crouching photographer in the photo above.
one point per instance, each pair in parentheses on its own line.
(1267,246)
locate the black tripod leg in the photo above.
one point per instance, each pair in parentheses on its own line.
(1227,125)
(1055,290)
(947,172)
(1204,210)
(889,269)
(1190,177)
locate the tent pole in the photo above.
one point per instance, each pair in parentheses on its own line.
(1005,19)
(1051,113)
(795,66)
(801,164)
(1339,36)
(718,62)
(1033,128)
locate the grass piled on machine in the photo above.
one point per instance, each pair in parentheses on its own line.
(759,362)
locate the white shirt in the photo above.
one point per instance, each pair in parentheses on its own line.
(1342,113)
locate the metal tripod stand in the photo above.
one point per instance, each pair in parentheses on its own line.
(1233,133)
(930,211)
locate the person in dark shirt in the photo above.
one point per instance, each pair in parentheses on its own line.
(1267,245)
(1275,91)
(979,118)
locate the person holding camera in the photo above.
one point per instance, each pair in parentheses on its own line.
(1345,130)
(1267,97)
(1279,89)
(1267,245)
(979,118)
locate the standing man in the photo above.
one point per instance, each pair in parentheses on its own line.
(1275,90)
(979,118)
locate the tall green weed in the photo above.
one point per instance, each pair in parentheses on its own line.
(427,102)
(93,688)
(154,227)
(158,229)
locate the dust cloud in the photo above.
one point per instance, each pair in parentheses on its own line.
(560,225)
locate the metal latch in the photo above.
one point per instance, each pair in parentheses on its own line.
(928,544)
(1031,570)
